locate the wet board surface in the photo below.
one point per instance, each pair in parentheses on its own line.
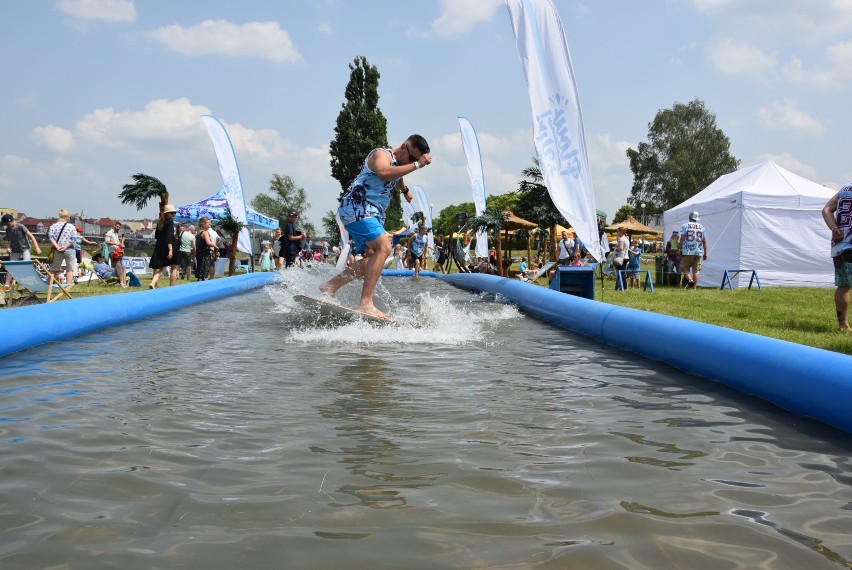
(333,311)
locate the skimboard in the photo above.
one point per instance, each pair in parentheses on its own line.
(333,311)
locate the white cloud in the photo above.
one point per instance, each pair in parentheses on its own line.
(255,39)
(103,10)
(160,120)
(325,28)
(611,173)
(55,138)
(733,57)
(834,74)
(778,22)
(606,155)
(785,40)
(458,16)
(165,138)
(786,160)
(710,5)
(785,115)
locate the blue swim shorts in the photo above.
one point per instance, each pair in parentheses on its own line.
(363,231)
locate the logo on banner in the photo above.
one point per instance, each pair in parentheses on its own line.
(135,264)
(554,139)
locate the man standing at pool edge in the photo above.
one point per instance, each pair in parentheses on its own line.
(837,214)
(362,211)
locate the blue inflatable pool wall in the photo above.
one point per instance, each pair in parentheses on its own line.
(40,324)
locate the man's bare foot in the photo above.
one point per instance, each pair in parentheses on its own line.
(373,312)
(327,290)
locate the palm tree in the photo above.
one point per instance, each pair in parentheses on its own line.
(229,225)
(535,203)
(491,220)
(142,190)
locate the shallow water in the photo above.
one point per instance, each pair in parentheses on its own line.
(240,434)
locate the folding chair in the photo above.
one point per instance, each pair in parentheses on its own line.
(31,284)
(607,268)
(538,273)
(109,281)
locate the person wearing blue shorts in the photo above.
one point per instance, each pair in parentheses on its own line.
(362,211)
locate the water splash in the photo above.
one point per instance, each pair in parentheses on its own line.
(426,311)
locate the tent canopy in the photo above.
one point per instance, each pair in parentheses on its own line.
(216,208)
(513,222)
(765,218)
(631,225)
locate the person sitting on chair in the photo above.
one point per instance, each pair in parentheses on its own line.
(104,270)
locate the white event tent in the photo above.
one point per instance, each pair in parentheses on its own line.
(765,218)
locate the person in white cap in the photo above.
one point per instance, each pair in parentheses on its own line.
(693,249)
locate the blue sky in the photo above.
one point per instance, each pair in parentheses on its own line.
(97,90)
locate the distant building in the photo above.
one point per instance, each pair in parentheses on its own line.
(91,226)
(142,228)
(104,225)
(14,212)
(37,225)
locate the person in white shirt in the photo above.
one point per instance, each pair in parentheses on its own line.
(115,242)
(566,249)
(693,250)
(619,257)
(62,236)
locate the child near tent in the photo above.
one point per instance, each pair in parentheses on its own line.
(266,258)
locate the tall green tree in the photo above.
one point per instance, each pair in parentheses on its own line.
(361,126)
(447,220)
(685,152)
(329,225)
(507,201)
(623,213)
(284,196)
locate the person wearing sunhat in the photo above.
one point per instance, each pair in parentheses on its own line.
(166,247)
(693,249)
(18,239)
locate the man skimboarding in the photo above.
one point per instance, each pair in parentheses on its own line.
(362,211)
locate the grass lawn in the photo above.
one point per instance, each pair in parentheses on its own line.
(804,315)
